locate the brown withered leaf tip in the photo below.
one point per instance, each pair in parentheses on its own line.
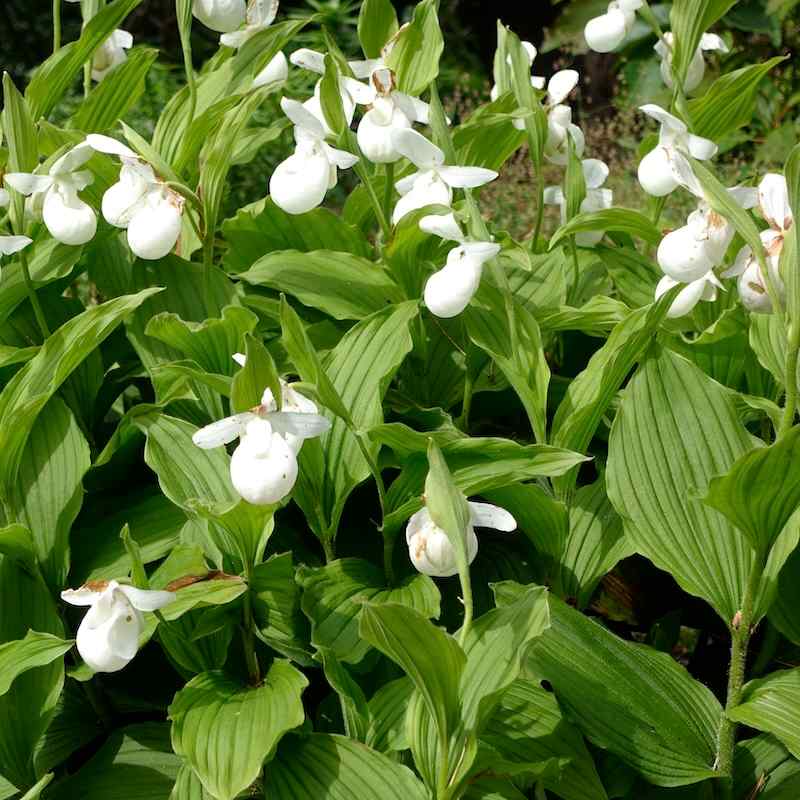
(189,580)
(95,586)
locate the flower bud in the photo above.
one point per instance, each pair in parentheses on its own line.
(429,548)
(263,466)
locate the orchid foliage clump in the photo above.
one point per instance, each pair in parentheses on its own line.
(351,493)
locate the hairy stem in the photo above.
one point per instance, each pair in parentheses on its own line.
(466,590)
(388,192)
(466,404)
(363,176)
(32,296)
(248,632)
(389,540)
(790,403)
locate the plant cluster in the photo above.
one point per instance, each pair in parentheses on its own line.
(302,504)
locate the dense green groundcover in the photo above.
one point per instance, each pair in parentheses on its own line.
(237,555)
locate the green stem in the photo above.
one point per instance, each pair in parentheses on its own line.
(186,47)
(573,249)
(327,547)
(388,191)
(56,25)
(466,404)
(790,403)
(87,77)
(741,631)
(208,265)
(248,632)
(466,590)
(539,209)
(389,540)
(658,208)
(37,308)
(363,176)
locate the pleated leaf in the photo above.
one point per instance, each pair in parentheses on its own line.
(619,220)
(35,650)
(675,430)
(225,730)
(416,50)
(377,23)
(689,20)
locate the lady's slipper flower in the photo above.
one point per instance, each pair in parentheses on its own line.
(264,464)
(301,182)
(223,16)
(433,182)
(110,54)
(704,288)
(597,198)
(259,15)
(773,202)
(537,81)
(449,290)
(607,32)
(560,129)
(140,202)
(666,166)
(430,549)
(108,636)
(66,216)
(697,66)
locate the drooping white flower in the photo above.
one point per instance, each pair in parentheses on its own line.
(259,15)
(449,290)
(223,16)
(597,198)
(108,636)
(111,54)
(140,202)
(301,182)
(433,182)
(276,71)
(264,464)
(66,216)
(773,202)
(666,166)
(608,31)
(697,66)
(560,129)
(389,110)
(704,288)
(430,549)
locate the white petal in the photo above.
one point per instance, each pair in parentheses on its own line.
(146,599)
(67,217)
(302,117)
(485,515)
(686,300)
(155,227)
(480,251)
(773,198)
(27,183)
(375,137)
(223,431)
(415,109)
(235,39)
(427,190)
(682,256)
(239,358)
(276,71)
(607,32)
(261,13)
(80,597)
(406,184)
(745,196)
(423,153)
(363,69)
(700,148)
(72,159)
(595,172)
(669,123)
(110,646)
(222,16)
(466,177)
(311,60)
(695,71)
(442,225)
(448,291)
(361,93)
(13,244)
(560,85)
(753,291)
(105,144)
(554,195)
(655,173)
(299,183)
(710,41)
(341,158)
(302,426)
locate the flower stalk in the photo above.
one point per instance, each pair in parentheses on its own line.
(41,321)
(790,403)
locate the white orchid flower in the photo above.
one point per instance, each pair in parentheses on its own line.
(66,216)
(688,253)
(597,198)
(140,202)
(264,464)
(697,66)
(110,54)
(223,16)
(608,31)
(11,244)
(301,182)
(433,182)
(430,549)
(108,636)
(560,129)
(666,166)
(276,71)
(537,81)
(389,110)
(449,290)
(773,203)
(258,16)
(704,288)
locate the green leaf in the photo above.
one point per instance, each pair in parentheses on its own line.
(761,491)
(226,730)
(377,23)
(620,220)
(116,94)
(770,704)
(387,711)
(518,353)
(55,76)
(674,431)
(330,97)
(339,284)
(16,542)
(26,394)
(689,20)
(791,248)
(495,647)
(635,276)
(355,711)
(263,228)
(627,698)
(427,654)
(135,763)
(259,372)
(334,594)
(48,493)
(488,138)
(20,134)
(35,650)
(730,101)
(763,768)
(243,528)
(528,725)
(416,50)
(574,182)
(329,767)
(35,792)
(590,393)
